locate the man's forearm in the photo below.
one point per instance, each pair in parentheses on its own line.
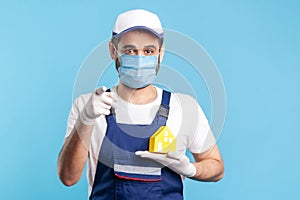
(73,155)
(209,170)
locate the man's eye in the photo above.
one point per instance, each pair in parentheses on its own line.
(129,51)
(148,51)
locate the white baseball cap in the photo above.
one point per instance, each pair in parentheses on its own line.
(138,19)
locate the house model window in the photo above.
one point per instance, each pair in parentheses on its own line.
(162,141)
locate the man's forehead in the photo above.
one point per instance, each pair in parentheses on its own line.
(139,39)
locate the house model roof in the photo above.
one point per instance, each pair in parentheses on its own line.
(162,141)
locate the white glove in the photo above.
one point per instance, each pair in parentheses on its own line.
(178,162)
(98,104)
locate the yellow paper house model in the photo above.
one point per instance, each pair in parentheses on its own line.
(162,141)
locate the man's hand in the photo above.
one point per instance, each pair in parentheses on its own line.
(178,162)
(98,104)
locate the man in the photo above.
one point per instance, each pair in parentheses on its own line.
(111,128)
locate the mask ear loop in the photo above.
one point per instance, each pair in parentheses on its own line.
(117,61)
(118,54)
(116,51)
(158,63)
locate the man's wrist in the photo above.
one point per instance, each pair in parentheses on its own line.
(85,119)
(193,170)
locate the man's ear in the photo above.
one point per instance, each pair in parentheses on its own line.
(112,51)
(161,53)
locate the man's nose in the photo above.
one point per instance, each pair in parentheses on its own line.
(140,52)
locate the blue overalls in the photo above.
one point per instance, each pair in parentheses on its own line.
(121,175)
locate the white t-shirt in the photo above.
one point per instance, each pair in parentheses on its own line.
(186,121)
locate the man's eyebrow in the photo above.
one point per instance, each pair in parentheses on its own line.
(151,46)
(128,46)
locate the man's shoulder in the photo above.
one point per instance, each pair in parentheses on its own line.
(178,95)
(183,98)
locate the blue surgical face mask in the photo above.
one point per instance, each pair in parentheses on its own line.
(137,71)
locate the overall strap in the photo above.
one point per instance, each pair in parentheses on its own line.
(112,110)
(164,106)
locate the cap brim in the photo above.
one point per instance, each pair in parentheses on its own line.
(159,35)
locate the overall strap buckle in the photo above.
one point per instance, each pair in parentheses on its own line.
(164,106)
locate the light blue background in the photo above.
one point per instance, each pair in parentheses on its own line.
(255,45)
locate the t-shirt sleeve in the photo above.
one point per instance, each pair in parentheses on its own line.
(201,137)
(73,116)
(74,113)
